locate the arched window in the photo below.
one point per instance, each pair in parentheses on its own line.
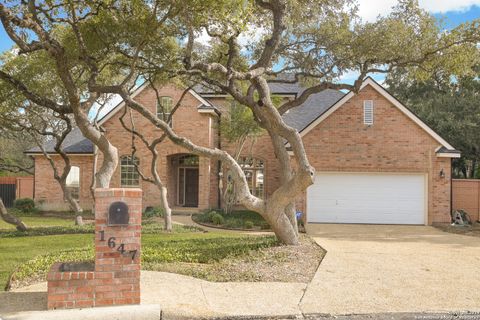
(254,170)
(129,176)
(164,108)
(73,182)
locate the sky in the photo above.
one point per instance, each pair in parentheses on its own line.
(451,12)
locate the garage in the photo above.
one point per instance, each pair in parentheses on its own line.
(367,198)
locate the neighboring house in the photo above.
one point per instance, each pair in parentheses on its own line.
(376,162)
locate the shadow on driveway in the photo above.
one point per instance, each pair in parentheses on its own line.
(11,302)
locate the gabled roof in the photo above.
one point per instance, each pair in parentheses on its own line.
(74,143)
(316,104)
(303,118)
(369,81)
(204,105)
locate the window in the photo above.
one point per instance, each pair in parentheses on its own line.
(188,161)
(368,112)
(254,172)
(129,176)
(73,182)
(164,109)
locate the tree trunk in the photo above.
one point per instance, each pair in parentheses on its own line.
(292,216)
(282,226)
(109,152)
(166,208)
(79,221)
(8,218)
(67,195)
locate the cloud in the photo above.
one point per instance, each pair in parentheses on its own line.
(370,9)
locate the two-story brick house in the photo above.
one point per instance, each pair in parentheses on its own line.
(376,162)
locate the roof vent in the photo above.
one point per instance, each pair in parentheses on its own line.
(368,112)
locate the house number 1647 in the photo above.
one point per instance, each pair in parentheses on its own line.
(120,248)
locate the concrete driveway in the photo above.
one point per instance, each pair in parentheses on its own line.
(377,268)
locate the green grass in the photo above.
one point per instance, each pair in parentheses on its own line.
(33,255)
(240,219)
(15,251)
(37,221)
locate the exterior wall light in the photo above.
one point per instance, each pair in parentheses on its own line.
(442,173)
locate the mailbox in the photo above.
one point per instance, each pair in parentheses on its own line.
(118,214)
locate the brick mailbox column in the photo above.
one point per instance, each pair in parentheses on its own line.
(115,277)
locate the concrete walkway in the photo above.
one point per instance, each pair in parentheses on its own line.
(367,269)
(374,269)
(182,297)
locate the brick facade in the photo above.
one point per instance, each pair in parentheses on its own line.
(340,143)
(394,143)
(115,279)
(49,195)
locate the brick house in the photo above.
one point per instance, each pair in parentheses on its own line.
(376,161)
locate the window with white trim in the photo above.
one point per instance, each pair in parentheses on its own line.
(368,112)
(164,108)
(73,182)
(129,176)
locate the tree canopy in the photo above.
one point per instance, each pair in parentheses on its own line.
(450,105)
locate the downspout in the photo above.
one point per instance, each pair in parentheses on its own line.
(219,164)
(451,186)
(34,176)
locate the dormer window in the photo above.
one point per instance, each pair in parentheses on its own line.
(164,109)
(368,112)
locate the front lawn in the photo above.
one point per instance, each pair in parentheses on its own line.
(214,256)
(39,253)
(38,221)
(240,219)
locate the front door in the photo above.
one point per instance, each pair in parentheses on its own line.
(188,187)
(191,187)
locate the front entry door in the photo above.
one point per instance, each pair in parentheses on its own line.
(191,187)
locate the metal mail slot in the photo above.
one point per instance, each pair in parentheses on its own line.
(118,214)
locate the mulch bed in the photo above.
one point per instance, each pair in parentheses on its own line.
(274,264)
(473,230)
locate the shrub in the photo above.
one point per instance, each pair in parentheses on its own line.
(24,204)
(249,224)
(234,223)
(151,212)
(217,219)
(264,225)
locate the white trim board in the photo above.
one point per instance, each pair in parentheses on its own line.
(390,98)
(119,106)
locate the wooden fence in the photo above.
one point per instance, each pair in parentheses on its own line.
(466,196)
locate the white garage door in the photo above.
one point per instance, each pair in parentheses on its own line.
(367,198)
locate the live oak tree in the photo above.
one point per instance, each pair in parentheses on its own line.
(19,118)
(8,218)
(450,104)
(47,70)
(12,157)
(315,42)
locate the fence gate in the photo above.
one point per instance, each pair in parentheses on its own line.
(7,193)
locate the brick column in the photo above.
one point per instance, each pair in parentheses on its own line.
(115,278)
(117,249)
